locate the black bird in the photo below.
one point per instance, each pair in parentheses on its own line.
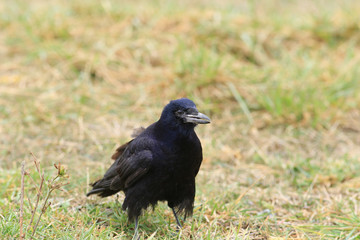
(159,164)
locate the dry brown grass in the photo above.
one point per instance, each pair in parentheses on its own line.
(77,77)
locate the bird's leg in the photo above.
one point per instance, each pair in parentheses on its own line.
(136,234)
(177,220)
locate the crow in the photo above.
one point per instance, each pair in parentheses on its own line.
(159,164)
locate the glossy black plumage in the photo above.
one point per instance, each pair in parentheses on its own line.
(159,164)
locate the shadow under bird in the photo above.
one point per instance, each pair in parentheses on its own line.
(159,164)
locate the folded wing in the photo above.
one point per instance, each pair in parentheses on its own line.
(133,162)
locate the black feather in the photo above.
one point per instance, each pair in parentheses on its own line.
(159,164)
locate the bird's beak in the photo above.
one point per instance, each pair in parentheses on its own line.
(198,118)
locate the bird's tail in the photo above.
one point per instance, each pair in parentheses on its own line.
(102,188)
(109,185)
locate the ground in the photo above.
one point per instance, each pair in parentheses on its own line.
(279,79)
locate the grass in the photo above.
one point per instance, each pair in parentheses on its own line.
(279,79)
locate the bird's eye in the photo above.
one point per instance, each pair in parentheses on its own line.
(179,112)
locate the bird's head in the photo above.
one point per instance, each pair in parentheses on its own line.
(183,112)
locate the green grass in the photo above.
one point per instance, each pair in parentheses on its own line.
(279,79)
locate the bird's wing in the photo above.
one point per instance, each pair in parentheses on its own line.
(134,163)
(133,168)
(120,150)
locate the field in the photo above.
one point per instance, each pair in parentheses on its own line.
(279,79)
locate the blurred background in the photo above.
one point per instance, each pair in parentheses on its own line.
(279,79)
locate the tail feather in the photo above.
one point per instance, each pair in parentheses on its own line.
(102,192)
(109,184)
(95,191)
(102,188)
